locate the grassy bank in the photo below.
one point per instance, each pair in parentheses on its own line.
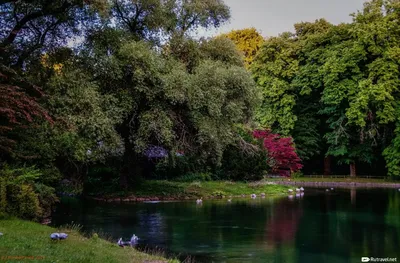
(186,190)
(24,241)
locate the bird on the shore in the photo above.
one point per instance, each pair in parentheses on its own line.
(58,236)
(122,243)
(399,189)
(302,189)
(134,239)
(262,194)
(62,236)
(327,190)
(290,190)
(229,200)
(253,196)
(199,201)
(297,189)
(332,189)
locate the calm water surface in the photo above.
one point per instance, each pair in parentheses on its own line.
(339,226)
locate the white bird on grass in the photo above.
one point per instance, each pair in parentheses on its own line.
(134,239)
(58,236)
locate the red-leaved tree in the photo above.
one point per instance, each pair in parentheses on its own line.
(282,156)
(18,106)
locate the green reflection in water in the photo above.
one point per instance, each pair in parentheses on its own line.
(336,226)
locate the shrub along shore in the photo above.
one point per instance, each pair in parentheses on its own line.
(169,190)
(25,241)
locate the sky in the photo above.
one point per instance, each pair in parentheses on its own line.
(272,17)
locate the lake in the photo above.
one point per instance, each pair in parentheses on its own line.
(336,226)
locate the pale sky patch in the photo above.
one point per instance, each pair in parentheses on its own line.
(272,17)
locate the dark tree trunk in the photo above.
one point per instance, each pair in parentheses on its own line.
(327,165)
(353,169)
(132,167)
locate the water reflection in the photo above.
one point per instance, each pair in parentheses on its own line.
(320,226)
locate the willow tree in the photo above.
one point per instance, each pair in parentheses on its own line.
(192,109)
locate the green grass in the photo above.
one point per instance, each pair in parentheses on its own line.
(25,241)
(181,190)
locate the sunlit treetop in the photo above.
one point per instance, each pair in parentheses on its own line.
(248,41)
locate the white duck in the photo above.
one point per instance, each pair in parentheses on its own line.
(302,189)
(134,239)
(58,236)
(253,196)
(199,201)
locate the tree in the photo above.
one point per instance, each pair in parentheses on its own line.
(275,67)
(282,156)
(19,106)
(248,41)
(175,106)
(341,79)
(31,27)
(156,20)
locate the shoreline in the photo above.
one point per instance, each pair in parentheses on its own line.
(158,191)
(225,190)
(78,247)
(170,199)
(339,184)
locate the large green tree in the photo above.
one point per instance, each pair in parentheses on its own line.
(343,80)
(176,104)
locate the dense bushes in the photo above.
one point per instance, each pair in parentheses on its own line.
(23,194)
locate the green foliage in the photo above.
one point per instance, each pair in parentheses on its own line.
(297,174)
(191,177)
(23,195)
(273,70)
(392,153)
(218,194)
(100,178)
(334,88)
(28,202)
